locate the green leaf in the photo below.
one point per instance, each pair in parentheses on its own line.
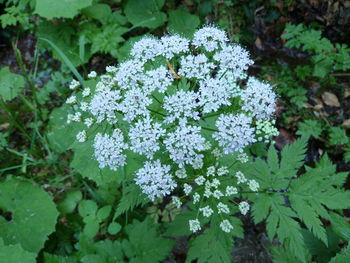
(337,136)
(182,22)
(132,196)
(15,254)
(211,246)
(58,126)
(70,202)
(342,257)
(11,84)
(310,128)
(85,164)
(98,11)
(32,214)
(60,9)
(65,59)
(114,228)
(179,227)
(104,212)
(145,13)
(50,258)
(292,156)
(151,248)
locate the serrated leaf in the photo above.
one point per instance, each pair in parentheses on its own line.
(152,249)
(132,196)
(50,258)
(33,214)
(10,84)
(210,246)
(57,9)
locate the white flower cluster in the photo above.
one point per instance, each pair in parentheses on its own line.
(215,198)
(173,105)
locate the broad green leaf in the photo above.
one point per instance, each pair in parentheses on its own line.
(60,9)
(10,84)
(85,164)
(182,22)
(61,135)
(15,254)
(145,13)
(32,214)
(98,11)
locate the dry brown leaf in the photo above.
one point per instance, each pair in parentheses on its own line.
(347,92)
(330,99)
(258,44)
(346,124)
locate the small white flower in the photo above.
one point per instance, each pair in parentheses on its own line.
(194,225)
(197,67)
(129,74)
(242,157)
(207,211)
(181,173)
(104,104)
(211,171)
(253,185)
(146,48)
(144,136)
(92,75)
(209,37)
(222,171)
(184,144)
(244,207)
(111,69)
(222,208)
(231,190)
(84,106)
(88,122)
(235,58)
(71,100)
(215,183)
(258,98)
(86,92)
(240,177)
(81,136)
(176,201)
(218,194)
(199,180)
(187,189)
(181,104)
(155,180)
(173,45)
(76,117)
(217,153)
(196,198)
(74,84)
(135,104)
(109,150)
(234,132)
(157,79)
(226,226)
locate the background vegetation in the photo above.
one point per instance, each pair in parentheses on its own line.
(53,207)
